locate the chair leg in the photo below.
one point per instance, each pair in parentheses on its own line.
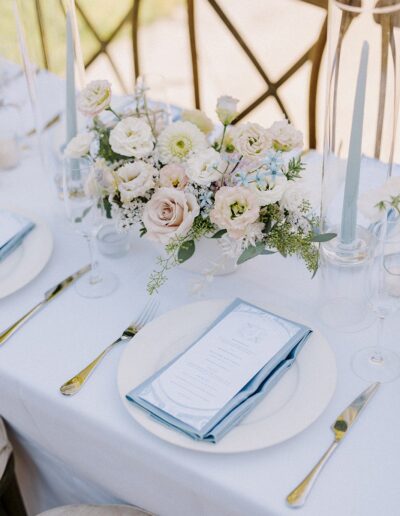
(11,503)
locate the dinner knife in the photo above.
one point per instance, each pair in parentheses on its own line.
(48,296)
(340,428)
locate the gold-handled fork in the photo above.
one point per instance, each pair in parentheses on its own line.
(75,384)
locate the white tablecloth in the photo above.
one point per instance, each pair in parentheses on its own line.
(88,449)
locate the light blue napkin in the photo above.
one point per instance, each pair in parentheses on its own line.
(13,229)
(244,401)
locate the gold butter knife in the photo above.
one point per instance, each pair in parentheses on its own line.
(48,296)
(340,428)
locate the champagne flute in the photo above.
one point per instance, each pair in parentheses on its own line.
(83,209)
(378,363)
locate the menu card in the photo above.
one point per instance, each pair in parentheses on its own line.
(198,387)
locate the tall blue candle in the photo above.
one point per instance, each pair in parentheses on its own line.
(349,211)
(70,73)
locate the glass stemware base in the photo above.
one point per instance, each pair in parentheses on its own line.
(377,364)
(102,284)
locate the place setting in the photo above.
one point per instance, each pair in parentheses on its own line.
(194,222)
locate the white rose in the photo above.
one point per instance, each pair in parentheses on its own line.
(204,167)
(295,195)
(136,179)
(132,137)
(95,98)
(169,213)
(79,145)
(227,109)
(271,190)
(284,136)
(199,119)
(251,140)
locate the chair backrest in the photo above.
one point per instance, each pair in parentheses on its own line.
(5,448)
(95,510)
(273,87)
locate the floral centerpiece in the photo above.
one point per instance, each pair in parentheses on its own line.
(187,180)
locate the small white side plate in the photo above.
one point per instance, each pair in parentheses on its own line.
(25,262)
(291,406)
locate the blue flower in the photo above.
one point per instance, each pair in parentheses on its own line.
(242,178)
(274,161)
(206,199)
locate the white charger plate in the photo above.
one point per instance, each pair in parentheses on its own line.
(291,406)
(25,262)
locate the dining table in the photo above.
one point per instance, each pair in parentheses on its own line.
(87,449)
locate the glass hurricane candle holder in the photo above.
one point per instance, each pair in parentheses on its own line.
(361,118)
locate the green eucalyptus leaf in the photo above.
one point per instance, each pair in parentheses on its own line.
(186,251)
(322,237)
(252,251)
(219,233)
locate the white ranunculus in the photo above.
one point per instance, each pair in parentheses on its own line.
(295,196)
(132,137)
(135,180)
(94,98)
(227,109)
(271,191)
(178,141)
(79,145)
(199,119)
(284,136)
(251,140)
(204,167)
(169,214)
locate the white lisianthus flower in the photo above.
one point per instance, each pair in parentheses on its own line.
(79,145)
(95,98)
(178,141)
(173,175)
(169,214)
(270,190)
(104,175)
(227,109)
(295,197)
(135,180)
(199,119)
(251,140)
(235,208)
(204,167)
(284,136)
(132,137)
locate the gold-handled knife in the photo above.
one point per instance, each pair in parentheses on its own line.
(340,428)
(48,296)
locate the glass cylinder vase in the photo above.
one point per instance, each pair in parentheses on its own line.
(361,137)
(361,146)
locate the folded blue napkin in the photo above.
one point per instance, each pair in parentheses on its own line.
(13,229)
(243,401)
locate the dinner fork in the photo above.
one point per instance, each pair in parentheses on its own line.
(75,384)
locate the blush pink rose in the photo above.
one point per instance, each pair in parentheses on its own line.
(169,213)
(235,208)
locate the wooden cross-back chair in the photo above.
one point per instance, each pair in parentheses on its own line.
(312,55)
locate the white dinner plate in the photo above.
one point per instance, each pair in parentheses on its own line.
(291,406)
(25,262)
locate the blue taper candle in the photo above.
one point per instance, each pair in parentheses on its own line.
(350,199)
(70,73)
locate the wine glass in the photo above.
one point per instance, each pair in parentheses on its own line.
(379,363)
(83,208)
